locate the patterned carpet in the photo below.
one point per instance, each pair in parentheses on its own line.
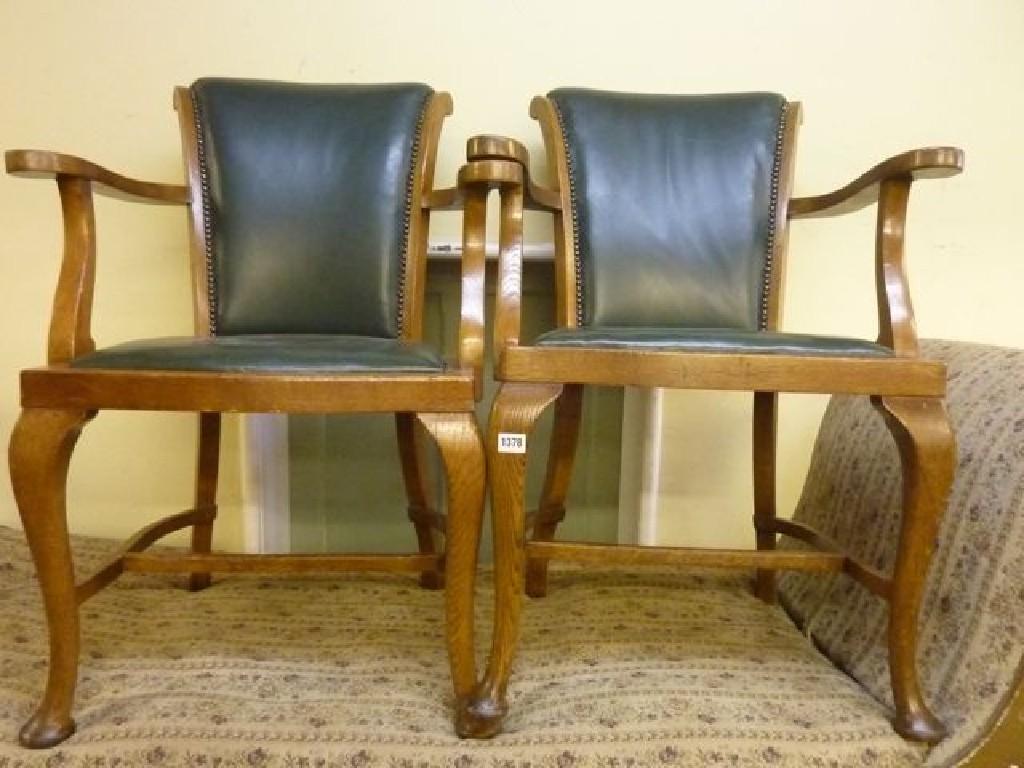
(972,618)
(616,669)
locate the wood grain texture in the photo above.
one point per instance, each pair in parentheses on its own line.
(764,443)
(59,398)
(245,393)
(896,328)
(921,429)
(471,321)
(693,370)
(509,288)
(868,576)
(901,378)
(414,478)
(515,409)
(71,316)
(565,431)
(138,542)
(458,438)
(543,111)
(616,554)
(536,196)
(924,163)
(778,256)
(439,106)
(207,471)
(198,256)
(171,562)
(40,450)
(37,163)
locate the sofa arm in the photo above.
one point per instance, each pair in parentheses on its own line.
(971,648)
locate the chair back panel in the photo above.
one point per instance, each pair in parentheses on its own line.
(307,194)
(673,200)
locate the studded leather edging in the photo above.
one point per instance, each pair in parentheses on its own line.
(407,219)
(773,211)
(204,178)
(574,209)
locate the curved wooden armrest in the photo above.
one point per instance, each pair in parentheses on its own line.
(491,147)
(476,179)
(487,147)
(35,163)
(487,174)
(925,163)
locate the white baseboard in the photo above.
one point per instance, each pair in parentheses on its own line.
(265,495)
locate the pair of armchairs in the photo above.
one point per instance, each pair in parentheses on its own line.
(308,208)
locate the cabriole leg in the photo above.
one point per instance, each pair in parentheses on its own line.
(207,467)
(766,416)
(458,438)
(561,454)
(40,450)
(927,450)
(415,479)
(515,410)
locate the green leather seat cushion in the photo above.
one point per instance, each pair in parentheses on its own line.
(315,354)
(724,340)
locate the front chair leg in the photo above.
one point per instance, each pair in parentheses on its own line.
(40,450)
(458,438)
(515,410)
(551,510)
(927,450)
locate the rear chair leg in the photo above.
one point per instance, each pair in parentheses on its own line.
(415,479)
(766,418)
(40,450)
(927,450)
(458,438)
(207,466)
(515,410)
(551,511)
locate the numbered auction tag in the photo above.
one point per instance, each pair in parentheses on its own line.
(511,442)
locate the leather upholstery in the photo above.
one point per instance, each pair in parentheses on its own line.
(306,190)
(725,340)
(671,197)
(293,353)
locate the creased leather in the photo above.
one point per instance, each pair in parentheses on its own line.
(272,353)
(306,190)
(671,197)
(725,340)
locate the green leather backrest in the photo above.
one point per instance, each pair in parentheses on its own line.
(672,200)
(306,191)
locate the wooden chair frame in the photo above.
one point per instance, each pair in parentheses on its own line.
(906,389)
(58,400)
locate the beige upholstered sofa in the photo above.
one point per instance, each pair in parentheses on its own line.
(616,669)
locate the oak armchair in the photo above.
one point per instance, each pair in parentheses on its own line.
(670,224)
(308,208)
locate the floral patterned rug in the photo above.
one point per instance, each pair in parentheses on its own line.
(616,669)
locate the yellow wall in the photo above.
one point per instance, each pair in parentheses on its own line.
(875,77)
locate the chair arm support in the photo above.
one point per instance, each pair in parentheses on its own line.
(34,163)
(887,184)
(476,179)
(486,147)
(925,163)
(70,332)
